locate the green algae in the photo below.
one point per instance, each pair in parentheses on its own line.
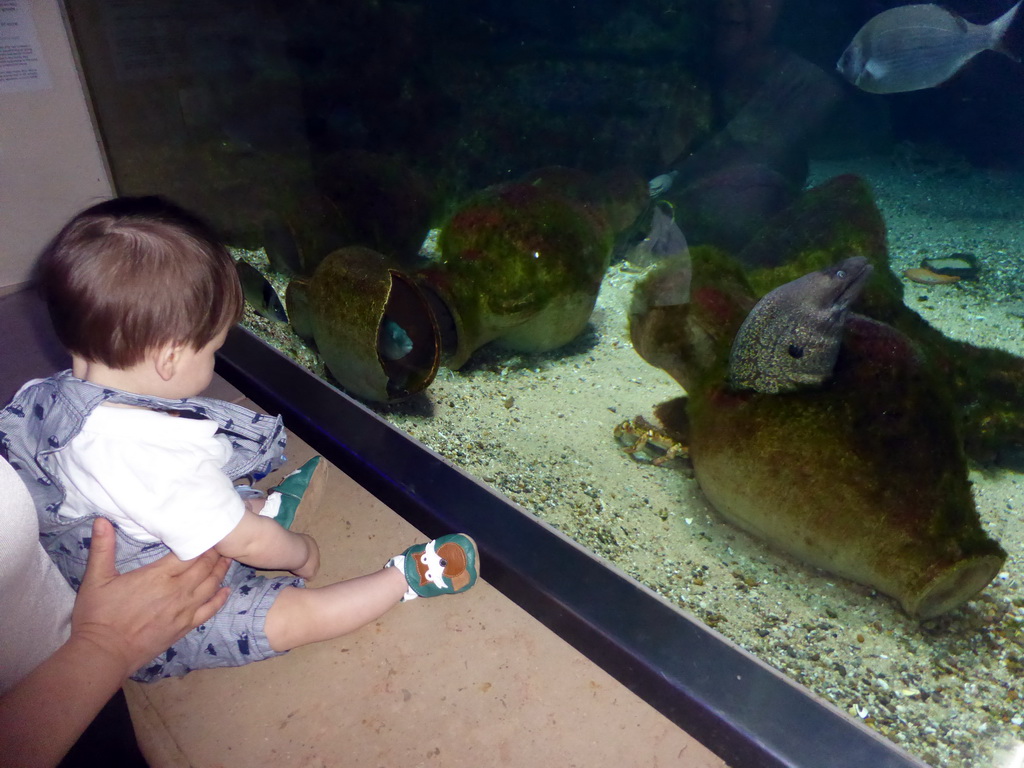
(839,218)
(521,264)
(864,476)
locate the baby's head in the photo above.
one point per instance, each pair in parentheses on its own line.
(133,274)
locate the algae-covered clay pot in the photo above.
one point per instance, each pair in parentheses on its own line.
(839,218)
(371,324)
(865,478)
(863,475)
(521,265)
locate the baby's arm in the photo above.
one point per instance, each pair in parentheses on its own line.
(261,542)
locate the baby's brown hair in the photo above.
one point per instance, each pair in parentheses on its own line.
(134,273)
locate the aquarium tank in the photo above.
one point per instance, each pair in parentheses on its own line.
(728,292)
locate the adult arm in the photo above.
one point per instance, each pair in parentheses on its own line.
(119,623)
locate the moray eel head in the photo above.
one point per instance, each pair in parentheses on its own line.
(790,339)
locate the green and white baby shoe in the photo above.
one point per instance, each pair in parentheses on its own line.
(445,566)
(303,487)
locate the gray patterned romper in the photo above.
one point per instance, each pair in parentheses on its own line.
(44,417)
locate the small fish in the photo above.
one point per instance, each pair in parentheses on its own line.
(928,277)
(913,47)
(260,293)
(791,337)
(393,342)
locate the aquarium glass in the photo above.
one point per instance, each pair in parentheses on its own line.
(509,185)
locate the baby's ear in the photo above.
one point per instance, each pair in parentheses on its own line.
(165,360)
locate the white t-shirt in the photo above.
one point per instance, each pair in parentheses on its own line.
(156,475)
(35,601)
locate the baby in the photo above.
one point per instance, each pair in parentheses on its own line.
(142,295)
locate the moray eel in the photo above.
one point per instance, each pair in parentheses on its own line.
(791,337)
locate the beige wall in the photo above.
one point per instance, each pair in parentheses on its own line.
(50,163)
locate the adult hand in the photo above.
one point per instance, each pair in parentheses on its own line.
(136,616)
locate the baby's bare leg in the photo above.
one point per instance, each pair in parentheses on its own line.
(303,616)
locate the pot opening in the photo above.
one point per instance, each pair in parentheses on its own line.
(408,342)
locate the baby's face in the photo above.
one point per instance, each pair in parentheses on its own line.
(194,371)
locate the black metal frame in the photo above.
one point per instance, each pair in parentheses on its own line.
(740,708)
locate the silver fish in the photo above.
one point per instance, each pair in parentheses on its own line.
(917,46)
(791,337)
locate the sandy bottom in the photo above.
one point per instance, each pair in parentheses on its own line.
(539,429)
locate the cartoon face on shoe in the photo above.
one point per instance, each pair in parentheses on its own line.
(446,562)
